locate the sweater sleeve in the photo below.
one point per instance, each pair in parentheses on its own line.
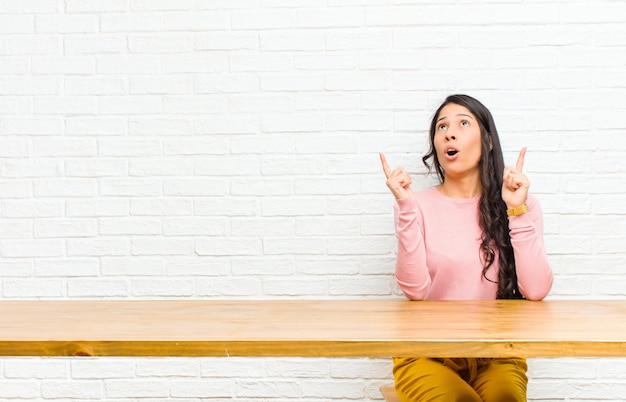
(411,270)
(534,275)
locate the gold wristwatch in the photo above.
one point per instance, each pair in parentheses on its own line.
(522,209)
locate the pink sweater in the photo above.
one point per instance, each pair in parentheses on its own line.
(439,255)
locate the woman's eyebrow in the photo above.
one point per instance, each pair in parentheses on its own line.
(460,114)
(466,115)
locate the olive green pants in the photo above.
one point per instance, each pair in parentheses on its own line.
(421,379)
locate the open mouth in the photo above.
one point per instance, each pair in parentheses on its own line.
(451,152)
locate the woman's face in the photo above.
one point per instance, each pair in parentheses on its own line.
(458,141)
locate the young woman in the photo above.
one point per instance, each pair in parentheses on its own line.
(477,235)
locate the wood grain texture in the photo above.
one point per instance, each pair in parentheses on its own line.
(331,328)
(389,393)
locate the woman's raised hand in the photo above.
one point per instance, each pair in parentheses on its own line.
(398,180)
(514,183)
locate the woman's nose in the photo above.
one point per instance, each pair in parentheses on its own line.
(450,134)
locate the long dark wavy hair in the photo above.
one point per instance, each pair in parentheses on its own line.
(493,220)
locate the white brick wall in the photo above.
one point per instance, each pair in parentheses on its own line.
(228,149)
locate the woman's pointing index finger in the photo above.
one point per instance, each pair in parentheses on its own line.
(386,168)
(520,159)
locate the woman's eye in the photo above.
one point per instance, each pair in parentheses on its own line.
(442,127)
(465,123)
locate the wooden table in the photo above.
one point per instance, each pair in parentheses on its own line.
(332,328)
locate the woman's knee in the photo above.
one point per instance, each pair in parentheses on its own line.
(503,381)
(426,380)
